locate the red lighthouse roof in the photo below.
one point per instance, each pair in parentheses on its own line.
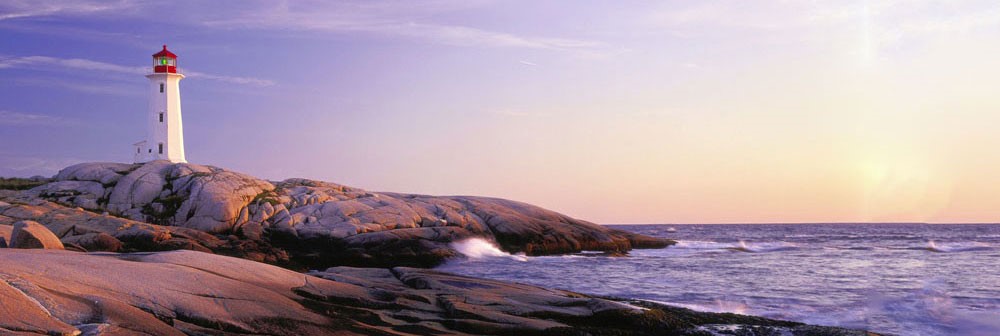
(164,61)
(165,53)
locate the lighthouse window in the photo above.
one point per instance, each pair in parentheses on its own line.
(163,61)
(161,116)
(161,87)
(161,148)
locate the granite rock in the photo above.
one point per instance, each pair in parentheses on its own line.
(5,232)
(105,173)
(321,223)
(33,235)
(95,241)
(99,232)
(192,293)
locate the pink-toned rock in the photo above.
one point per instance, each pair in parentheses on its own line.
(325,223)
(192,293)
(101,172)
(95,241)
(96,232)
(214,202)
(5,232)
(195,292)
(33,235)
(20,312)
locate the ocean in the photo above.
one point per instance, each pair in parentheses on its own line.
(902,279)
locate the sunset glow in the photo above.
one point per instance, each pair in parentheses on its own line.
(672,112)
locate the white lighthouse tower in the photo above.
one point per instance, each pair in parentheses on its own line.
(164,133)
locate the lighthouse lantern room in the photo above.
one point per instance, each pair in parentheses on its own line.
(164,132)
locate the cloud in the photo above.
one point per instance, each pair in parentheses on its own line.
(869,30)
(394,19)
(529,63)
(20,165)
(14,9)
(405,19)
(71,63)
(38,62)
(10,118)
(231,79)
(88,86)
(466,36)
(754,17)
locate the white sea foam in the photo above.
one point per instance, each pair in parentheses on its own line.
(702,245)
(478,248)
(767,247)
(717,306)
(933,309)
(688,247)
(741,246)
(956,246)
(855,276)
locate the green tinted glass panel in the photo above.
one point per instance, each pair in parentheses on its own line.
(163,61)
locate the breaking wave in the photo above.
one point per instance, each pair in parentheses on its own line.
(956,247)
(478,248)
(900,279)
(741,246)
(717,306)
(931,310)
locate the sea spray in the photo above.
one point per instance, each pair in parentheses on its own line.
(933,309)
(479,248)
(739,246)
(956,246)
(880,277)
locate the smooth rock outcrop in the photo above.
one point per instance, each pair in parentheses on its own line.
(5,232)
(193,293)
(321,223)
(95,241)
(206,198)
(33,235)
(102,232)
(105,173)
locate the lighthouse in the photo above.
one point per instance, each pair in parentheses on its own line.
(164,132)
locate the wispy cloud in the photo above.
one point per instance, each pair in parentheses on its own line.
(920,16)
(394,19)
(44,27)
(467,36)
(70,63)
(11,118)
(13,9)
(399,19)
(38,62)
(116,88)
(19,165)
(231,79)
(529,63)
(870,30)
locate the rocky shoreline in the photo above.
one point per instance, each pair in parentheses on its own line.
(310,223)
(163,249)
(56,292)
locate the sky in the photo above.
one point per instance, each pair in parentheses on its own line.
(609,111)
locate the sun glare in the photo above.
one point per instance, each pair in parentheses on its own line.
(901,189)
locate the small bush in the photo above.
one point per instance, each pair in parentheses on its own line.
(267,196)
(16,183)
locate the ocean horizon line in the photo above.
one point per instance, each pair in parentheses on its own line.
(811,223)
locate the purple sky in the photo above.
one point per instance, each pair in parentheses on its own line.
(615,112)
